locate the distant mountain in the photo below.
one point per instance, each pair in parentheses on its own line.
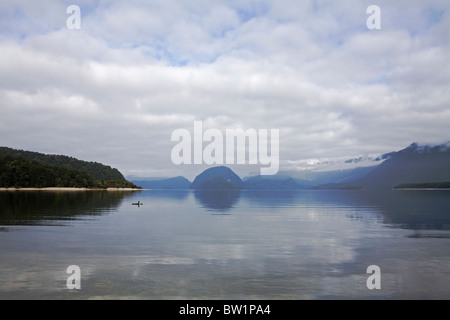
(170,183)
(95,170)
(271,182)
(217,178)
(414,164)
(334,176)
(417,164)
(225,178)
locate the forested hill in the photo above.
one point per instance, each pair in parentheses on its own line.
(25,169)
(96,171)
(17,172)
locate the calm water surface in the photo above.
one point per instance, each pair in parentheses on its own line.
(225,244)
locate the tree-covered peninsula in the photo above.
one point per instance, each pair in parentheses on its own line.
(24,169)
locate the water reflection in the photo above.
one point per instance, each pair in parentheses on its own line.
(171,194)
(406,209)
(414,210)
(217,200)
(273,197)
(49,208)
(271,244)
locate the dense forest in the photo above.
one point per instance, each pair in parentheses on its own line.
(19,172)
(96,171)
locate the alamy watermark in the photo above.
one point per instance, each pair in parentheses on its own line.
(73,22)
(74,280)
(374,281)
(228,148)
(374,20)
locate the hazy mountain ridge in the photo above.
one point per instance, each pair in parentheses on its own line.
(168,183)
(414,164)
(216,178)
(314,178)
(279,183)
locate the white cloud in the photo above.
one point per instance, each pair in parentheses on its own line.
(137,70)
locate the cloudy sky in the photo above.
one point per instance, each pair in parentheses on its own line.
(114,90)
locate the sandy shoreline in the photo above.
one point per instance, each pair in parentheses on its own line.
(68,189)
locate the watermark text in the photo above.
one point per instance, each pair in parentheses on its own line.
(374,281)
(73,22)
(236,146)
(374,20)
(74,280)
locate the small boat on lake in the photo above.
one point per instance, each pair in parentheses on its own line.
(139,203)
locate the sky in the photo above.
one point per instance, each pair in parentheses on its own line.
(114,90)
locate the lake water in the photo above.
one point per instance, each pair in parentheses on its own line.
(306,244)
